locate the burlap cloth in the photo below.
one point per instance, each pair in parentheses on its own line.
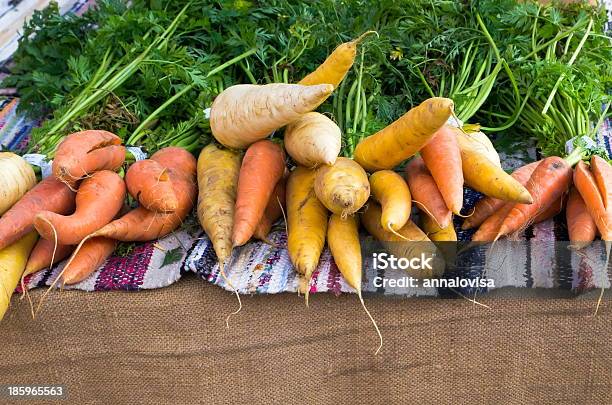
(171,346)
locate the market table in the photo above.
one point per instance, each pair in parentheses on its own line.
(170,346)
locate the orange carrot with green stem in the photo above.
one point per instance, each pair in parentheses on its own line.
(549,182)
(262,167)
(443,160)
(85,152)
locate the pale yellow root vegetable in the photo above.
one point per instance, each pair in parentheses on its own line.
(411,241)
(484,176)
(392,193)
(16,178)
(343,241)
(343,188)
(13,260)
(306,224)
(480,142)
(405,137)
(437,234)
(218,171)
(245,113)
(337,64)
(313,140)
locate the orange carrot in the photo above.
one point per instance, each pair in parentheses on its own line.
(488,230)
(262,167)
(274,211)
(179,159)
(140,224)
(488,205)
(550,212)
(98,200)
(85,152)
(443,160)
(42,254)
(580,226)
(587,186)
(549,182)
(48,195)
(602,171)
(88,259)
(425,192)
(148,182)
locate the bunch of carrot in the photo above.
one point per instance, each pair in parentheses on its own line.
(80,209)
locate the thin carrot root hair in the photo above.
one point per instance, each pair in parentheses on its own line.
(390,229)
(422,207)
(601,293)
(380,337)
(50,266)
(229,283)
(307,292)
(468,215)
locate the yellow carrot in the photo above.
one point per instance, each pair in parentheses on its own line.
(12,264)
(337,64)
(343,240)
(483,175)
(343,188)
(405,137)
(306,224)
(392,193)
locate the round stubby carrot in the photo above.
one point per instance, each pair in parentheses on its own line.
(602,172)
(48,195)
(98,200)
(306,224)
(392,193)
(148,182)
(343,188)
(313,140)
(177,158)
(483,175)
(88,259)
(443,160)
(580,225)
(245,113)
(337,64)
(486,206)
(85,152)
(587,187)
(549,182)
(262,167)
(43,253)
(274,210)
(405,137)
(218,171)
(141,225)
(425,192)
